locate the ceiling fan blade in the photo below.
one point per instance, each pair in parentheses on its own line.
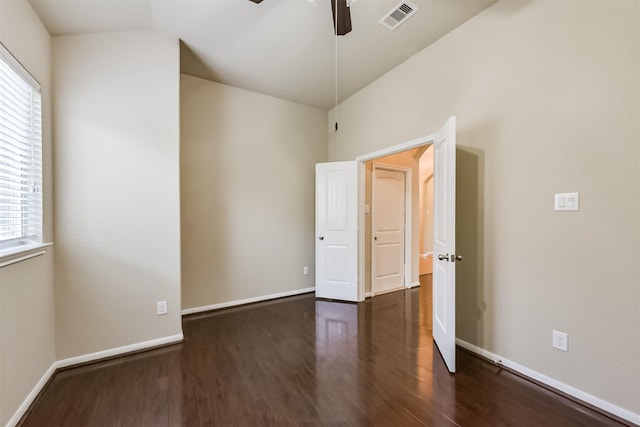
(341,17)
(256,1)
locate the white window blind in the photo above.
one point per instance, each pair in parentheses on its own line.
(20,154)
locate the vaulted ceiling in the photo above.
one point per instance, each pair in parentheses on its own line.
(283,48)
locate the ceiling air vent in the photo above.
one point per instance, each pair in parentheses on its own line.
(398,15)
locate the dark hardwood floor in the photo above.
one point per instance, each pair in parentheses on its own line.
(298,361)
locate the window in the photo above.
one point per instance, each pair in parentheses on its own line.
(20,155)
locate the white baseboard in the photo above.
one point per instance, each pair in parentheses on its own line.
(246,301)
(415,284)
(368,294)
(17,416)
(564,388)
(119,350)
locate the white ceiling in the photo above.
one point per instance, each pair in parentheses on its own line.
(283,48)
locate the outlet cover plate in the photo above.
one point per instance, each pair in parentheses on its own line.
(560,341)
(567,202)
(162,308)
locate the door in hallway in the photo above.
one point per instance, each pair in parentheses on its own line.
(388,220)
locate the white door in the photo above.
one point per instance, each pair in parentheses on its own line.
(387,230)
(444,243)
(337,231)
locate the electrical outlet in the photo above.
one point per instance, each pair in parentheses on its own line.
(560,341)
(305,270)
(162,307)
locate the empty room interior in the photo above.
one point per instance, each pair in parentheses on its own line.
(319,212)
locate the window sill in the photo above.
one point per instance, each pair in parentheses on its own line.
(20,253)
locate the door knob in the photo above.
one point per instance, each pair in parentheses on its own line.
(375,238)
(458,257)
(443,257)
(321,237)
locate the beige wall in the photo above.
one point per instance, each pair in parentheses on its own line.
(547,99)
(426,210)
(426,203)
(117,210)
(247,177)
(27,347)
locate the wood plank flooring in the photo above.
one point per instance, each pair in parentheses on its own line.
(298,361)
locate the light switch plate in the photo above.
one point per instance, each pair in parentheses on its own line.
(566,202)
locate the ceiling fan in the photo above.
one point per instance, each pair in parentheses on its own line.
(341,16)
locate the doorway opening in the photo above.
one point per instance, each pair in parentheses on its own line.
(342,235)
(393,261)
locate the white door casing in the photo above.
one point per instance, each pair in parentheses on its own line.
(444,243)
(388,219)
(337,231)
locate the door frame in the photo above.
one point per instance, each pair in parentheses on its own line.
(362,174)
(408,223)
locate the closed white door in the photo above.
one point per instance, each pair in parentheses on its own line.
(388,230)
(444,243)
(337,231)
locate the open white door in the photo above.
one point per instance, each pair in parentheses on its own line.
(444,243)
(337,231)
